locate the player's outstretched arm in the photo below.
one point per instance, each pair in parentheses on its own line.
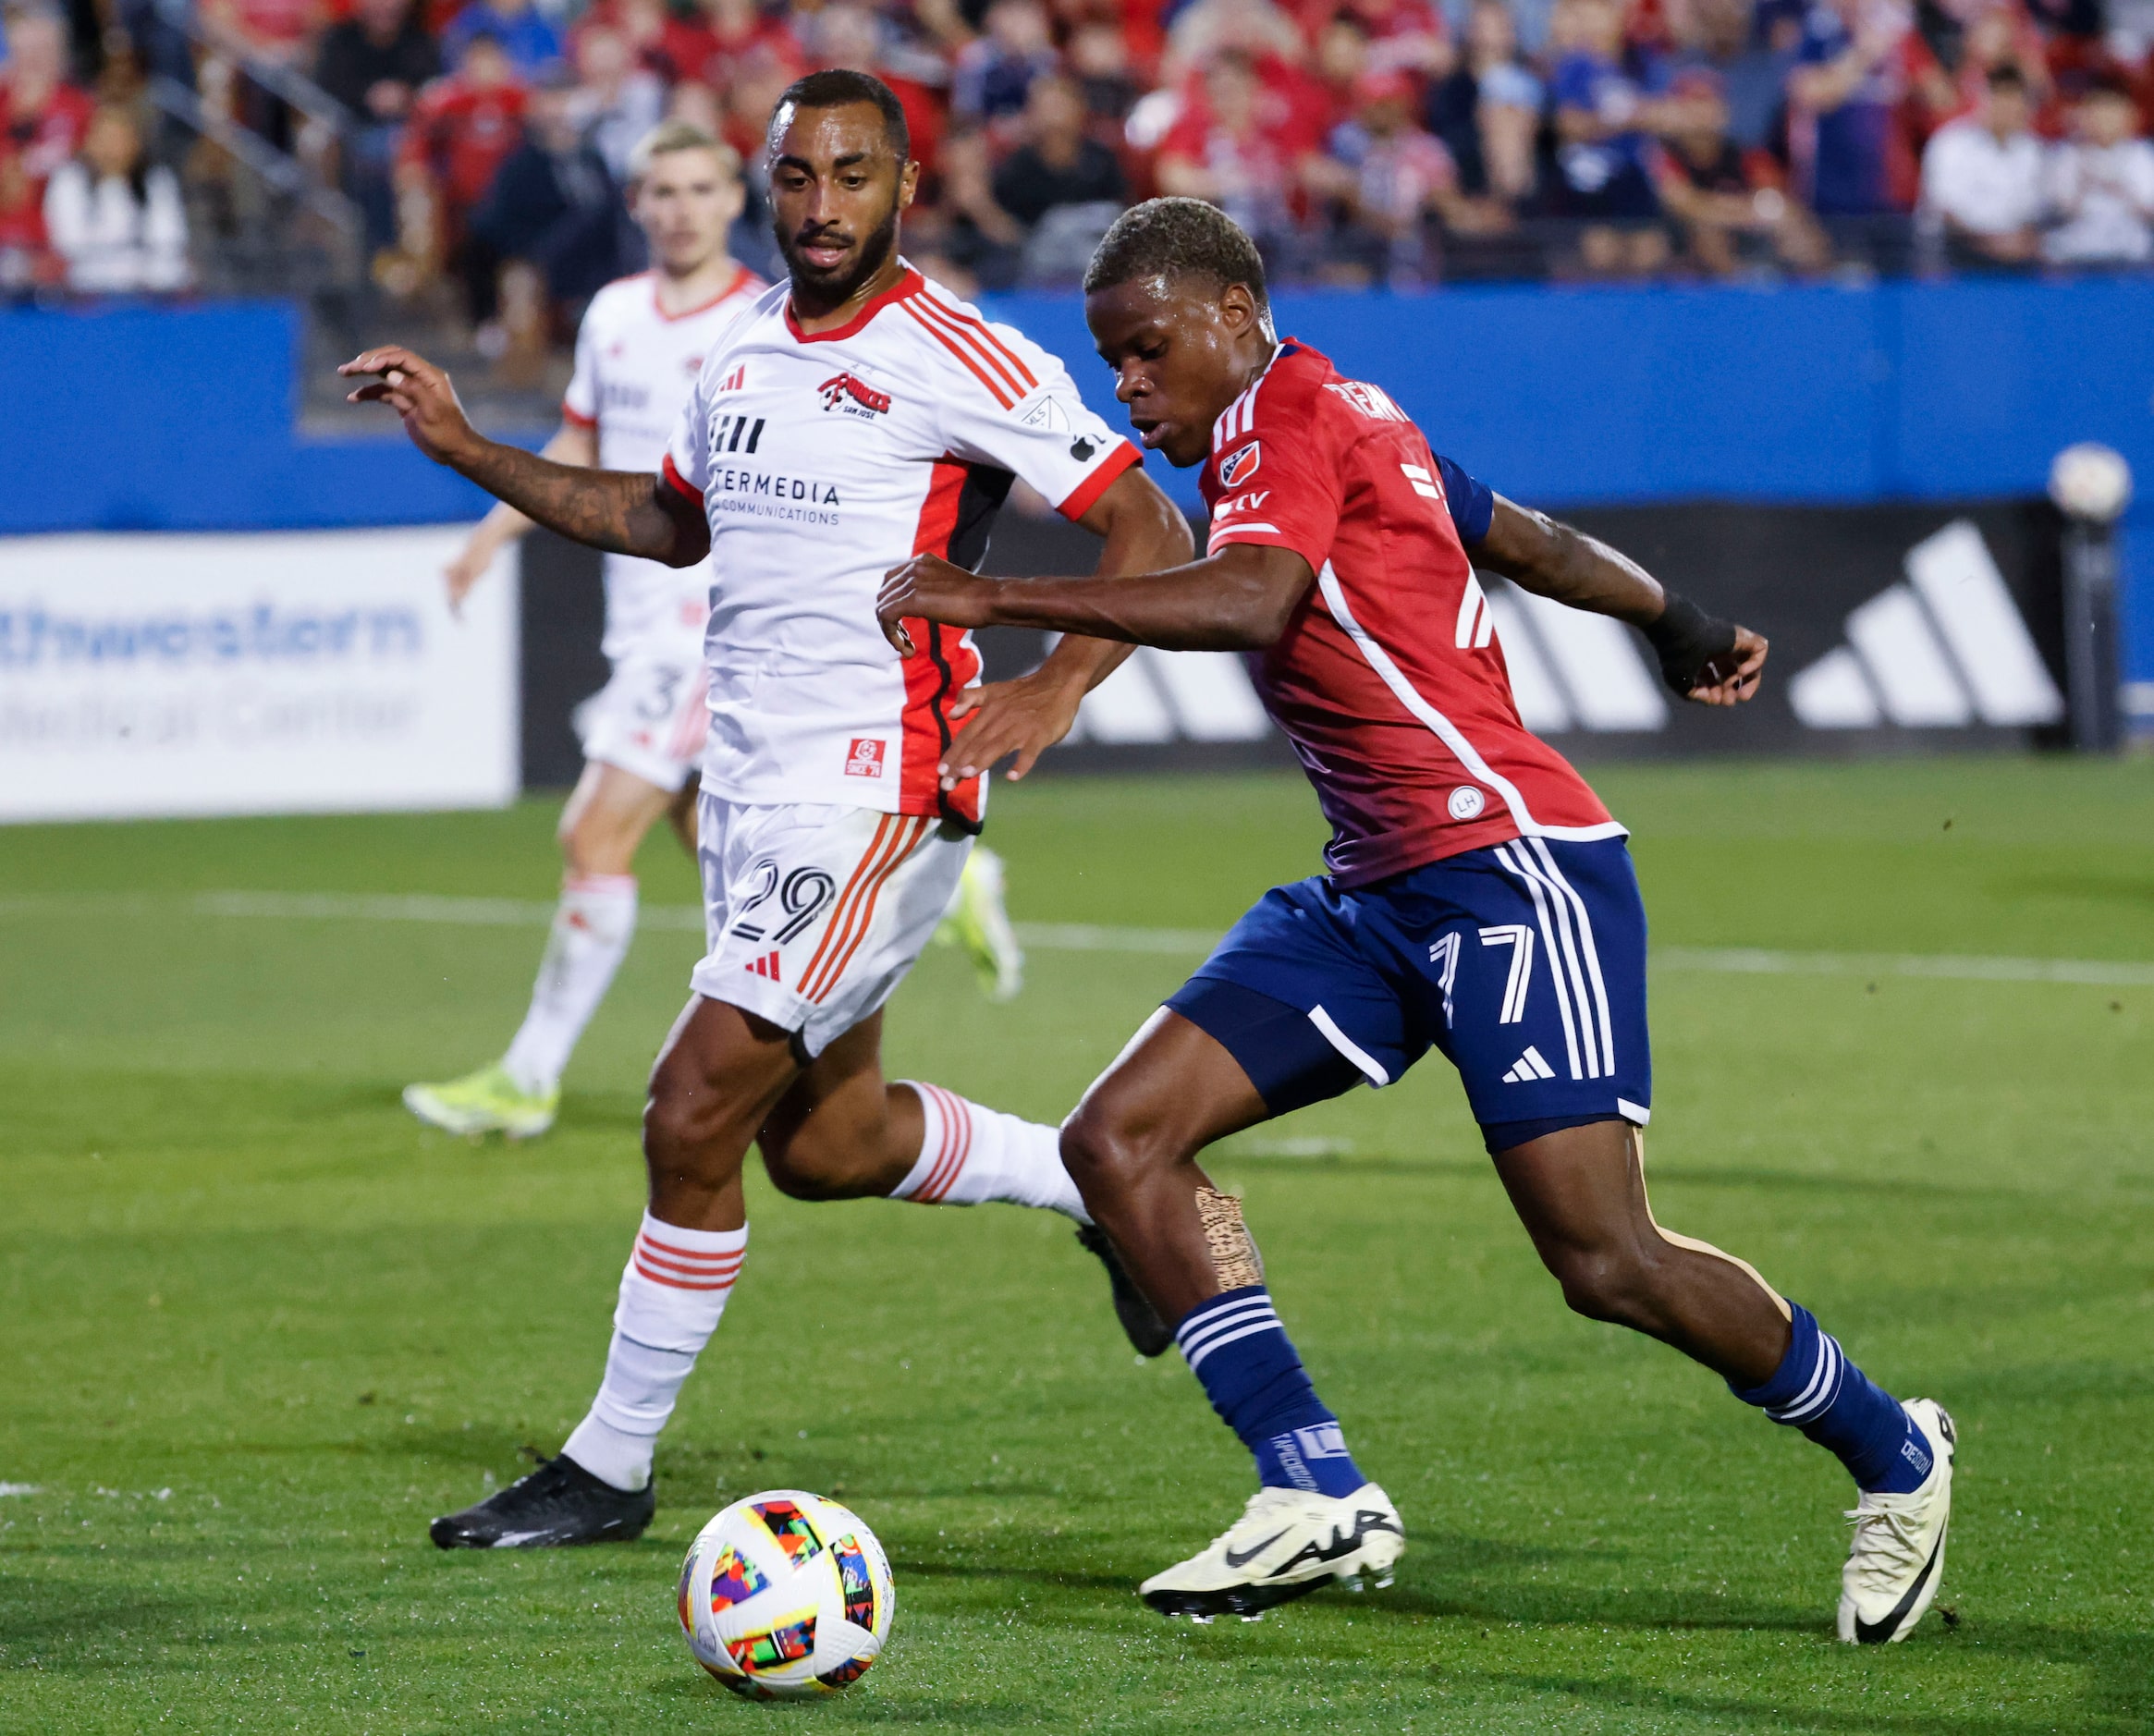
(1239,599)
(1713,662)
(620,512)
(1141,530)
(571,443)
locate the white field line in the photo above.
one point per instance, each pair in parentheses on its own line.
(1088,938)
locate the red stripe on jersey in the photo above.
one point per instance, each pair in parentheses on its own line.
(916,828)
(742,277)
(980,374)
(976,334)
(576,418)
(910,283)
(869,857)
(944,666)
(994,340)
(672,474)
(1087,492)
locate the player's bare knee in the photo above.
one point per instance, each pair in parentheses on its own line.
(685,1127)
(1098,1148)
(1614,1282)
(803,1167)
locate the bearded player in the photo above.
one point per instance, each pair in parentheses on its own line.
(637,353)
(850,417)
(1480,901)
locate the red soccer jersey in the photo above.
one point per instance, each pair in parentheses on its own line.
(1389,679)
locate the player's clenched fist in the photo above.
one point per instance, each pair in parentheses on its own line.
(930,587)
(420,393)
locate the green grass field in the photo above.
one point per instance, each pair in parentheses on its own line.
(257,1326)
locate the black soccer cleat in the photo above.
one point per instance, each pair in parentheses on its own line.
(1151,1335)
(557,1504)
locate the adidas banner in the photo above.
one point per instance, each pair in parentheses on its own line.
(1891,626)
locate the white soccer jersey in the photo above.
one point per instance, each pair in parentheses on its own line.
(823,460)
(635,366)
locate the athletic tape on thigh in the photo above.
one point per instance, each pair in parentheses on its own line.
(1234,1255)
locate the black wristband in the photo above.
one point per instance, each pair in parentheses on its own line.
(1687,638)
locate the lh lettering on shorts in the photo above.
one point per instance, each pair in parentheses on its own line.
(864,758)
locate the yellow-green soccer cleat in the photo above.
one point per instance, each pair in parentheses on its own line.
(977,921)
(488,1101)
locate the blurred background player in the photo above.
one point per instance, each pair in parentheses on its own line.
(850,417)
(642,344)
(1480,899)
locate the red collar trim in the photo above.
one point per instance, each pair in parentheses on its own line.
(740,276)
(909,283)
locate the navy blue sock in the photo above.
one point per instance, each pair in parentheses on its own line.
(1236,1346)
(1817,1389)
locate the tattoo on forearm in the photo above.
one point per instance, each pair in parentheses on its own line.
(615,511)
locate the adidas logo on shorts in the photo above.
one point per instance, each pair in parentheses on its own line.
(1529,1068)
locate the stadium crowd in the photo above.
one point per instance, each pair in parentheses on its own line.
(482,142)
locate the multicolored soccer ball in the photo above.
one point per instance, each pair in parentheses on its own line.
(786,1594)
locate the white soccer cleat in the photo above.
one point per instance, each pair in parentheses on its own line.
(1898,1556)
(1286,1544)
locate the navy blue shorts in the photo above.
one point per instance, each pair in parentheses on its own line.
(1524,962)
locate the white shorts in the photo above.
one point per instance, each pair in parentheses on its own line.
(650,718)
(814,913)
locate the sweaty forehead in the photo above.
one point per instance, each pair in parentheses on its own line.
(1157,300)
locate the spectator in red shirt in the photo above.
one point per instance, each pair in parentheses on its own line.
(1237,146)
(462,129)
(759,75)
(1340,66)
(1404,35)
(1255,29)
(847,36)
(24,260)
(2000,35)
(1387,177)
(710,41)
(41,115)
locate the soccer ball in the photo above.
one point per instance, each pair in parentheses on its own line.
(786,1594)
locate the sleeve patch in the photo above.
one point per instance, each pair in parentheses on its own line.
(1087,492)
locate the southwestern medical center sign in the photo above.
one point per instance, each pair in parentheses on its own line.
(251,674)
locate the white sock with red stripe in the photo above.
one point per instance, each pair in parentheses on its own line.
(592,925)
(970,1155)
(672,1295)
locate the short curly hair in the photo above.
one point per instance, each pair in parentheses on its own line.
(1176,237)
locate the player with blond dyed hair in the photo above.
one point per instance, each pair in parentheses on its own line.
(639,351)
